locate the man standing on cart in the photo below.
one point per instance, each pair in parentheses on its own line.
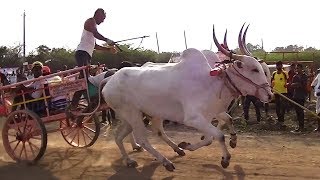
(87,45)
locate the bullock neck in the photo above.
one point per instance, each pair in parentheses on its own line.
(226,93)
(229,83)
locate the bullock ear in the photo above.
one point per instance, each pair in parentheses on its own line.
(238,63)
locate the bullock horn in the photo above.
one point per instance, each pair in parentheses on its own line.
(244,41)
(242,49)
(223,50)
(225,40)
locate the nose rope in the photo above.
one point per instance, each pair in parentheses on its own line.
(262,86)
(235,90)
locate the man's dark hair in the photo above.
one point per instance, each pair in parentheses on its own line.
(279,63)
(99,11)
(125,64)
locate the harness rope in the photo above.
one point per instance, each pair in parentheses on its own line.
(232,87)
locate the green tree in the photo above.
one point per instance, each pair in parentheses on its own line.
(10,56)
(310,49)
(43,53)
(3,51)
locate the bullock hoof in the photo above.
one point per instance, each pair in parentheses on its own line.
(169,167)
(138,149)
(183,145)
(224,164)
(132,164)
(233,144)
(180,152)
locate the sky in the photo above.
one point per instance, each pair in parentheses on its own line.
(59,23)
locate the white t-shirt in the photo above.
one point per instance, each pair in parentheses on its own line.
(37,85)
(87,42)
(316,84)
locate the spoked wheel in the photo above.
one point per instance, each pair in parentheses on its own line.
(24,136)
(82,131)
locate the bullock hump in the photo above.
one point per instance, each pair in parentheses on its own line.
(193,55)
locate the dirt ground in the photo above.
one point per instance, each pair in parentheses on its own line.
(273,155)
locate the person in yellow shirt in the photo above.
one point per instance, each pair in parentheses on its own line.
(279,85)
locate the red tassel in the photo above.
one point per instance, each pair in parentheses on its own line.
(215,71)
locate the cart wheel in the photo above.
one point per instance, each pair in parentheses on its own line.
(80,131)
(24,136)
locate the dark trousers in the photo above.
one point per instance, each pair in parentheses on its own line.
(246,104)
(19,99)
(299,112)
(280,107)
(35,106)
(289,106)
(266,108)
(82,59)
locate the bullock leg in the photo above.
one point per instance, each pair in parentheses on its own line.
(123,130)
(225,118)
(134,117)
(135,146)
(157,128)
(206,141)
(201,124)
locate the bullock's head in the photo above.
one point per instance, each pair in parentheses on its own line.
(246,74)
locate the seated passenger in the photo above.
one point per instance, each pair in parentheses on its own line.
(32,88)
(58,102)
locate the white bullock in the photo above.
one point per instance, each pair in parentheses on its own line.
(223,118)
(185,93)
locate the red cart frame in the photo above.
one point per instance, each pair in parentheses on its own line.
(25,131)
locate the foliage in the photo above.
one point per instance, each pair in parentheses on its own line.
(10,56)
(56,58)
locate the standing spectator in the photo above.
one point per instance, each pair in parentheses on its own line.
(279,85)
(100,68)
(299,83)
(291,73)
(64,68)
(246,104)
(3,79)
(316,85)
(310,75)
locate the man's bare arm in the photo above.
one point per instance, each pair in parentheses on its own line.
(90,25)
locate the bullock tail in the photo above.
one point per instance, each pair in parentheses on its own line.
(104,81)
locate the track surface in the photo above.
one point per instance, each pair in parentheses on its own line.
(274,156)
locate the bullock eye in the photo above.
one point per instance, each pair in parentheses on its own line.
(255,70)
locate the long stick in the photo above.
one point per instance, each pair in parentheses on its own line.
(132,39)
(185,39)
(293,102)
(24,41)
(157,43)
(234,105)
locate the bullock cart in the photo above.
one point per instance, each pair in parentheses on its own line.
(27,121)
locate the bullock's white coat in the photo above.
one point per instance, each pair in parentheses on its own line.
(183,92)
